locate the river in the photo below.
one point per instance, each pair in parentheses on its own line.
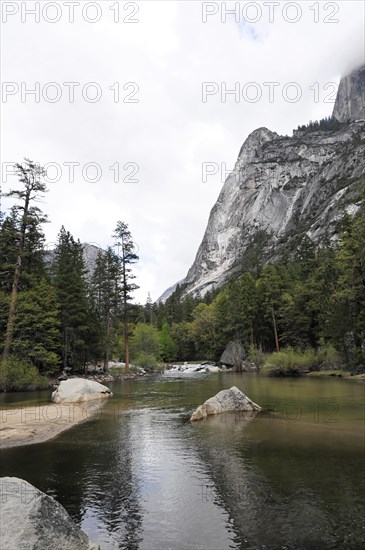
(141,476)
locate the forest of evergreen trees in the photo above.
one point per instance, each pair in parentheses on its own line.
(314,299)
(327,124)
(55,315)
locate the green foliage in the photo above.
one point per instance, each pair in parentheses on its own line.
(20,375)
(146,360)
(182,334)
(256,356)
(328,357)
(9,247)
(37,326)
(346,321)
(69,279)
(127,256)
(167,344)
(313,298)
(104,293)
(290,362)
(53,317)
(203,330)
(145,341)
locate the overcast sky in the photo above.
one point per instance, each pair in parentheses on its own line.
(160,130)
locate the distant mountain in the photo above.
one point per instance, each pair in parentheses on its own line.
(90,252)
(285,188)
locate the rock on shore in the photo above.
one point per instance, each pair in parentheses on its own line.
(32,520)
(232,400)
(233,355)
(78,390)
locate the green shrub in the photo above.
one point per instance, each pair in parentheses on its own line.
(257,356)
(291,362)
(146,361)
(21,375)
(328,357)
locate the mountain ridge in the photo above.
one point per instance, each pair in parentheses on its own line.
(285,186)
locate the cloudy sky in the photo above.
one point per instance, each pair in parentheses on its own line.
(118,107)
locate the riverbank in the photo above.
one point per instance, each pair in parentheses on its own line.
(337,373)
(27,425)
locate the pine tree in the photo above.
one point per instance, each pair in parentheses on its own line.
(270,288)
(127,257)
(348,302)
(148,310)
(9,248)
(36,329)
(69,279)
(104,292)
(31,176)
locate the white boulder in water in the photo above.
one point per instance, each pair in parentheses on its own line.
(32,520)
(79,390)
(212,368)
(232,400)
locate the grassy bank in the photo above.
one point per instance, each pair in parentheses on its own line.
(290,362)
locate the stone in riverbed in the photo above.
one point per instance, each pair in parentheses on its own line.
(32,520)
(79,390)
(231,400)
(212,368)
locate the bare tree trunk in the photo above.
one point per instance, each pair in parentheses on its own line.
(126,343)
(275,330)
(107,346)
(125,300)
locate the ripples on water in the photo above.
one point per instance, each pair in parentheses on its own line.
(141,476)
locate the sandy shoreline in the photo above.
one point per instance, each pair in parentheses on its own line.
(27,425)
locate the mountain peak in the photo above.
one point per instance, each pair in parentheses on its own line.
(284,189)
(350,100)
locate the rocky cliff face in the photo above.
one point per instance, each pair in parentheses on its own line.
(350,101)
(283,188)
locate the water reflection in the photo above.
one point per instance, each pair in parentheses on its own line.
(141,476)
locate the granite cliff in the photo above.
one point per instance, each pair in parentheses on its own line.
(285,188)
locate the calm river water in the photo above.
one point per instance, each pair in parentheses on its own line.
(140,476)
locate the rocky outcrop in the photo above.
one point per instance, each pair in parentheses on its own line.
(32,520)
(350,101)
(89,253)
(79,390)
(233,355)
(282,190)
(232,400)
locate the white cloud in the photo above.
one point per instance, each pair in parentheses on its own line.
(170,132)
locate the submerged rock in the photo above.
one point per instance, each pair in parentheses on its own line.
(32,520)
(78,390)
(232,400)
